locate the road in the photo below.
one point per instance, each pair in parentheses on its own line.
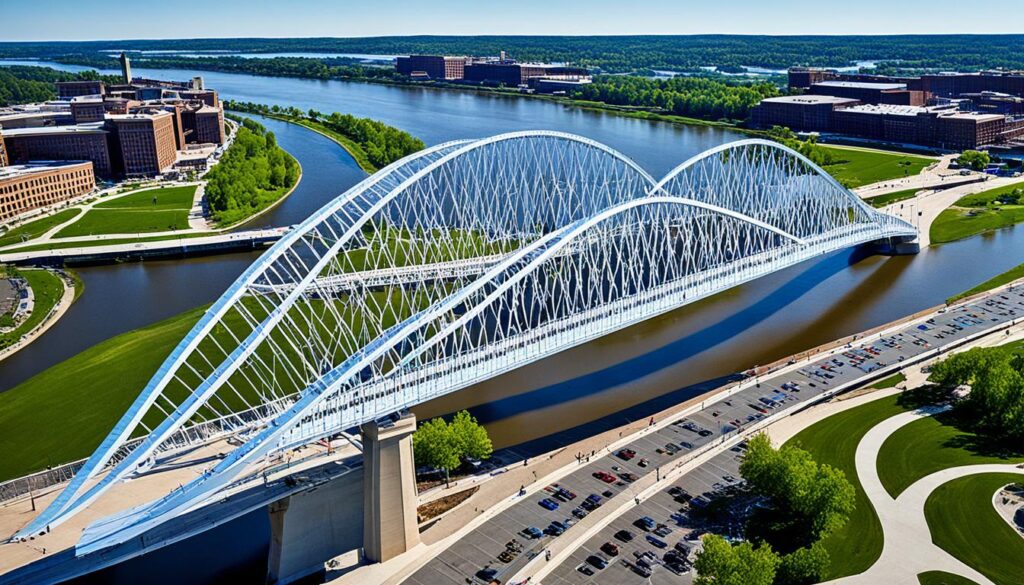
(479,547)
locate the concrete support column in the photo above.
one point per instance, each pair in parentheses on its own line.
(389,489)
(277,511)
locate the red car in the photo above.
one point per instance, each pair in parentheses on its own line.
(627,454)
(610,549)
(604,476)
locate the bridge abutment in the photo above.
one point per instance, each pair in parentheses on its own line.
(895,246)
(389,489)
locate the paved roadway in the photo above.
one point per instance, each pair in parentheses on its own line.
(481,547)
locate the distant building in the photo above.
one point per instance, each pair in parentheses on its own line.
(558,84)
(39,184)
(72,89)
(970,130)
(3,152)
(432,66)
(126,68)
(147,142)
(515,74)
(938,85)
(34,119)
(88,110)
(805,77)
(91,142)
(802,113)
(870,93)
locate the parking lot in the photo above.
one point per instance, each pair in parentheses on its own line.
(478,557)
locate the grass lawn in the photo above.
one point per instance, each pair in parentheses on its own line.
(78,400)
(855,167)
(34,229)
(994,282)
(943,578)
(976,214)
(883,200)
(857,545)
(932,444)
(964,523)
(47,288)
(126,221)
(165,198)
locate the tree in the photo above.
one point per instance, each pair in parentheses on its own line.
(434,445)
(810,500)
(803,566)
(974,159)
(442,445)
(470,437)
(720,563)
(995,405)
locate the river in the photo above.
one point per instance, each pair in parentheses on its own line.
(625,375)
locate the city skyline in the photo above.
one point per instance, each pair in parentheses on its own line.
(319,18)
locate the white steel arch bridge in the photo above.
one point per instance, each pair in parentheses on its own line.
(449,267)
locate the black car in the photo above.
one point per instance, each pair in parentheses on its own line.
(624,535)
(486,574)
(597,561)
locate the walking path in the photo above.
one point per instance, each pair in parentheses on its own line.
(908,549)
(55,314)
(933,175)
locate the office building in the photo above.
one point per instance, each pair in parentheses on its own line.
(147,144)
(34,185)
(870,93)
(34,119)
(511,73)
(3,152)
(208,125)
(91,142)
(802,113)
(88,110)
(72,89)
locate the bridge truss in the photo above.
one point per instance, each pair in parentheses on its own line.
(449,267)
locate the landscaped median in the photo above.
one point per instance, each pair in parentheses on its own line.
(979,213)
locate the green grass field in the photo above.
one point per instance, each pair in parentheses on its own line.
(34,229)
(976,214)
(136,213)
(47,288)
(964,523)
(165,198)
(994,282)
(104,221)
(883,200)
(943,578)
(856,167)
(857,545)
(932,444)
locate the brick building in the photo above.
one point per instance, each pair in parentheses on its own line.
(91,142)
(870,93)
(511,73)
(204,125)
(3,152)
(432,66)
(802,113)
(91,110)
(34,185)
(147,142)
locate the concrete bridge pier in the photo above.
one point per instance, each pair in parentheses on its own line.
(903,246)
(389,488)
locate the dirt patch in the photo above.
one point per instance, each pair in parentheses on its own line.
(442,505)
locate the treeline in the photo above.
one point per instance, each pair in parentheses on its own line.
(23,85)
(382,144)
(617,53)
(809,148)
(684,96)
(302,67)
(252,174)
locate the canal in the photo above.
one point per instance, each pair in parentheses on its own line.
(624,375)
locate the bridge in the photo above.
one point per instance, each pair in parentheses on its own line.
(446,268)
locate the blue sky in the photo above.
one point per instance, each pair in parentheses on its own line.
(64,19)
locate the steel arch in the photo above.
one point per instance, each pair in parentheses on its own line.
(411,244)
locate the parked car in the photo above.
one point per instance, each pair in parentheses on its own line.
(548,504)
(628,477)
(556,528)
(486,575)
(597,561)
(579,512)
(645,523)
(656,541)
(624,535)
(604,476)
(626,454)
(533,532)
(610,548)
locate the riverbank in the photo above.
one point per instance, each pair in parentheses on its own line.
(357,152)
(47,307)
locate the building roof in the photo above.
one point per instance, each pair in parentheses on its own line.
(862,85)
(33,114)
(139,116)
(888,109)
(810,99)
(89,128)
(975,116)
(39,166)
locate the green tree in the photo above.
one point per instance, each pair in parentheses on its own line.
(995,405)
(434,445)
(721,563)
(470,437)
(803,566)
(974,159)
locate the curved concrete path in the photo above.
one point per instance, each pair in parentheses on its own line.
(908,549)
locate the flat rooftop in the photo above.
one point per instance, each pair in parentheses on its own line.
(810,100)
(889,109)
(89,128)
(976,116)
(862,85)
(39,166)
(121,117)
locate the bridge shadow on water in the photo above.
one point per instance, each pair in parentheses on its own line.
(689,346)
